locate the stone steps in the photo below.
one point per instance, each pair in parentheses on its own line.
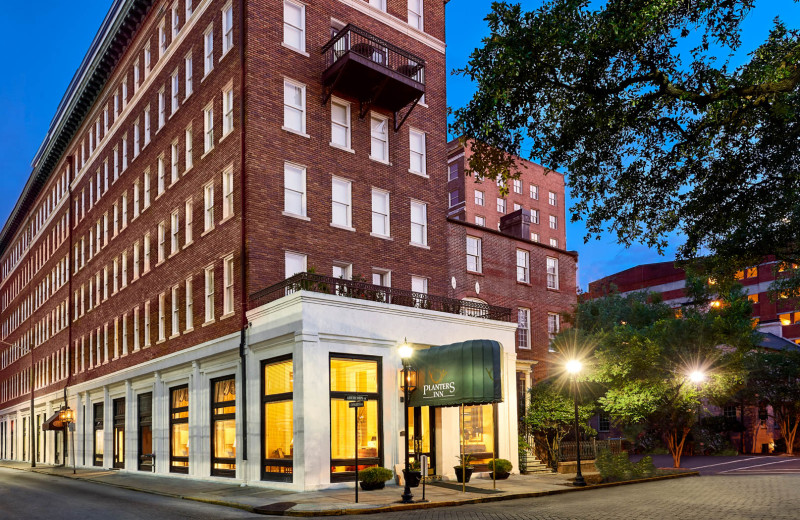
(530,464)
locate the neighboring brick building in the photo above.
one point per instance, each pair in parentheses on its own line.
(207,150)
(506,257)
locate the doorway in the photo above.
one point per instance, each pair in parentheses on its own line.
(119,433)
(422,435)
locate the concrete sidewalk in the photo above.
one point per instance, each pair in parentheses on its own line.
(320,503)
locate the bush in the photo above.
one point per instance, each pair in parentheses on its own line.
(374,475)
(500,465)
(619,467)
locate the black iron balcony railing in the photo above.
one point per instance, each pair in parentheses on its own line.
(377,293)
(379,51)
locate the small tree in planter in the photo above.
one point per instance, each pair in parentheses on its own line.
(501,468)
(464,469)
(374,478)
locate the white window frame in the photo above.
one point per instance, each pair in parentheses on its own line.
(227,192)
(188,222)
(174,241)
(188,71)
(227,28)
(345,205)
(176,87)
(289,27)
(208,50)
(379,140)
(176,315)
(381,215)
(209,294)
(415,14)
(290,106)
(552,273)
(227,110)
(292,190)
(553,222)
(208,128)
(189,305)
(523,328)
(188,159)
(523,266)
(208,207)
(419,226)
(419,156)
(479,198)
(339,125)
(474,257)
(228,284)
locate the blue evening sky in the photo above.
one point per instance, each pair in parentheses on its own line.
(49,44)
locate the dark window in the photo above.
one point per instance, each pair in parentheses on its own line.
(119,433)
(522,392)
(99,434)
(179,429)
(604,423)
(145,430)
(223,427)
(729,412)
(277,420)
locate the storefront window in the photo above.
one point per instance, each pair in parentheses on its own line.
(479,433)
(145,402)
(421,435)
(350,375)
(98,434)
(179,429)
(223,417)
(278,419)
(119,433)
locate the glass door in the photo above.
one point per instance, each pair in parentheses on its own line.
(119,433)
(422,436)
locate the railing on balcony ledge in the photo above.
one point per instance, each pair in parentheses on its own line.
(377,293)
(377,50)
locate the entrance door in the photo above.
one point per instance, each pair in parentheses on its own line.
(119,433)
(422,435)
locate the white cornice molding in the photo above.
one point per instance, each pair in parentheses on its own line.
(397,24)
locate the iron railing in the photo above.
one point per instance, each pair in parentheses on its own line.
(589,448)
(377,50)
(378,293)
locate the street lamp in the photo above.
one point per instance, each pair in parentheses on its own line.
(405,351)
(574,367)
(697,377)
(67,416)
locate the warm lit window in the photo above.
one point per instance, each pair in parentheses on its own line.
(419,223)
(294,189)
(294,106)
(341,202)
(294,25)
(277,417)
(474,256)
(223,427)
(179,429)
(523,266)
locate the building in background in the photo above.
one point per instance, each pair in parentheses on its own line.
(238,214)
(511,251)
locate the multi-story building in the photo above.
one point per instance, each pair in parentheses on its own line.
(236,216)
(509,250)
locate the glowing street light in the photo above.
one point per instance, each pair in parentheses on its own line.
(406,351)
(697,377)
(574,367)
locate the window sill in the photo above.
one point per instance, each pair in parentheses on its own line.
(207,152)
(160,194)
(295,49)
(384,237)
(188,169)
(173,254)
(339,226)
(224,220)
(296,132)
(175,336)
(519,282)
(381,161)
(207,231)
(553,290)
(342,148)
(206,73)
(187,244)
(294,215)
(226,316)
(174,111)
(421,246)
(420,174)
(190,329)
(160,262)
(209,322)
(159,342)
(227,51)
(478,273)
(224,136)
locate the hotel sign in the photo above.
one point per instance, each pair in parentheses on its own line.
(467,373)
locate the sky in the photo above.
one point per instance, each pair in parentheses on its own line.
(49,45)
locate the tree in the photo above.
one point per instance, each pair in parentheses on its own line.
(774,379)
(658,133)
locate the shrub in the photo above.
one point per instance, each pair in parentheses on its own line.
(500,465)
(374,475)
(619,467)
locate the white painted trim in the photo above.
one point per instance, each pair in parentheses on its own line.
(397,24)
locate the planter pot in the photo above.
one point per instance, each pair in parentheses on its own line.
(463,476)
(412,477)
(371,486)
(501,475)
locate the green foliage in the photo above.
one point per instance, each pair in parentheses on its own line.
(500,465)
(619,467)
(464,460)
(374,475)
(659,134)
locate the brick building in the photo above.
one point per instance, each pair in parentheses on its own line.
(505,251)
(206,154)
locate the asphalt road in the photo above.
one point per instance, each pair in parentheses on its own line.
(28,496)
(737,465)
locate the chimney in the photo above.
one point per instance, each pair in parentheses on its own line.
(771,326)
(517,224)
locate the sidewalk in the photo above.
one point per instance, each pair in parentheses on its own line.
(320,503)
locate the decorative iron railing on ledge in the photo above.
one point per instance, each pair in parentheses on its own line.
(377,293)
(589,449)
(377,50)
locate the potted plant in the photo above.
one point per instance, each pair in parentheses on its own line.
(464,469)
(373,478)
(501,468)
(413,475)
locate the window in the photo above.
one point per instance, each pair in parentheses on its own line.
(99,434)
(189,305)
(753,298)
(147,335)
(162,108)
(379,147)
(453,198)
(208,50)
(478,198)
(227,111)
(116,163)
(136,329)
(146,248)
(294,189)
(517,184)
(341,202)
(363,376)
(227,295)
(162,242)
(146,125)
(552,198)
(752,272)
(534,216)
(145,428)
(124,203)
(474,257)
(553,327)
(294,25)
(173,158)
(227,193)
(175,91)
(179,429)
(124,152)
(227,28)
(208,206)
(419,223)
(223,427)
(174,227)
(534,192)
(294,106)
(553,222)
(523,262)
(452,172)
(535,237)
(209,300)
(553,242)
(277,417)
(416,145)
(604,422)
(343,271)
(188,9)
(135,199)
(162,318)
(175,21)
(378,4)
(552,273)
(187,65)
(481,221)
(161,174)
(501,205)
(136,260)
(340,124)
(187,239)
(162,39)
(294,263)
(208,122)
(517,207)
(523,328)
(415,14)
(188,158)
(146,202)
(380,212)
(135,76)
(136,139)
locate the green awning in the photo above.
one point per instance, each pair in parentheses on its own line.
(465,373)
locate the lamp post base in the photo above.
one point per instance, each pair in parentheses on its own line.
(406,497)
(579,481)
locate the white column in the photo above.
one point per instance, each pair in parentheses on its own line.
(131,433)
(80,417)
(199,443)
(160,425)
(312,441)
(507,426)
(108,430)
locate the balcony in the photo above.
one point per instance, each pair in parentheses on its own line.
(373,71)
(377,293)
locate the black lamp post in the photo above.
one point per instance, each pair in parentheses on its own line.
(406,352)
(574,367)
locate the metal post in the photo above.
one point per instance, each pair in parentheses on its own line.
(73,451)
(407,496)
(579,481)
(355,411)
(461,445)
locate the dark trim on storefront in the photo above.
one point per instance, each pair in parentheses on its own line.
(284,476)
(173,421)
(144,461)
(230,473)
